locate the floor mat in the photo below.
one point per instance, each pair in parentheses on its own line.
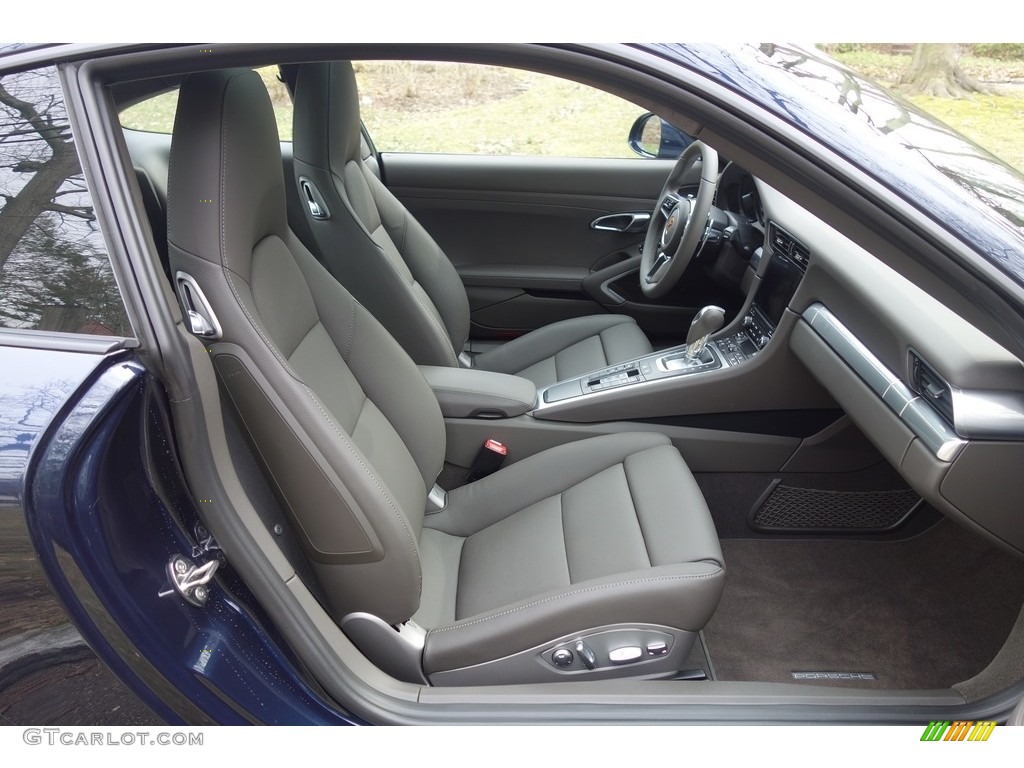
(923,613)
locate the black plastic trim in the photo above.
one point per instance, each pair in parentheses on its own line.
(802,424)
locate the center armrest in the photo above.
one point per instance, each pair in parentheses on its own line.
(464,393)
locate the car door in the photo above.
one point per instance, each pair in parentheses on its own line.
(65,357)
(527,183)
(101,548)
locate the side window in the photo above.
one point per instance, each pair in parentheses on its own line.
(55,274)
(156,114)
(415,106)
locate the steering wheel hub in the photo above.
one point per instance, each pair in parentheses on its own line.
(678,219)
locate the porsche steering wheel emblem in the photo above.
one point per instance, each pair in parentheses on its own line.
(670,226)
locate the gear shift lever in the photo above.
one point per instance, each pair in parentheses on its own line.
(706,322)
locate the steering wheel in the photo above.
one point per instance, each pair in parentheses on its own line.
(678,224)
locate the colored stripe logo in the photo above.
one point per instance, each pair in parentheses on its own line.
(961,730)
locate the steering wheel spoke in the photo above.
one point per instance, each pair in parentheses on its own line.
(668,202)
(660,264)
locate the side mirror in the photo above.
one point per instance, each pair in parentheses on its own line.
(651,136)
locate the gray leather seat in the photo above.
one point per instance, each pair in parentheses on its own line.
(606,541)
(375,247)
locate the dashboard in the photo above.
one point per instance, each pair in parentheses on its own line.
(940,400)
(824,324)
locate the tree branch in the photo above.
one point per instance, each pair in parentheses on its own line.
(82,212)
(42,125)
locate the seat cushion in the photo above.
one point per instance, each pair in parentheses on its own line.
(621,533)
(568,349)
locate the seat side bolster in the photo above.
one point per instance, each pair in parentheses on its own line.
(682,596)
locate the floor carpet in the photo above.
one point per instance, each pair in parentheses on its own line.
(922,613)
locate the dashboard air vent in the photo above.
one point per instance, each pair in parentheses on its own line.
(784,243)
(932,387)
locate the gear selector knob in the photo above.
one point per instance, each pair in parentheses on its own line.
(705,322)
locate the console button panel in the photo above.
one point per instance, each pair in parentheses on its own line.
(723,352)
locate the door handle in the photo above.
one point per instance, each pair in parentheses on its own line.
(622,222)
(313,199)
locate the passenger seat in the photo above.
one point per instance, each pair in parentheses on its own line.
(381,253)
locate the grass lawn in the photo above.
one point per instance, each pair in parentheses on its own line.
(995,120)
(471,109)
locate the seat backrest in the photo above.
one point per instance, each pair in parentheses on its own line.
(370,241)
(347,428)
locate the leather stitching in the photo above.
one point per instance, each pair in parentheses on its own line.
(302,338)
(403,227)
(573,593)
(604,350)
(636,512)
(565,549)
(351,333)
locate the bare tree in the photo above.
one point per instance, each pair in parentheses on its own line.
(42,131)
(935,71)
(54,271)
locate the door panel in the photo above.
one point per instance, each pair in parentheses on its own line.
(518,230)
(522,211)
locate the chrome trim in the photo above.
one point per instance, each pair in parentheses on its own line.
(190,581)
(629,221)
(984,414)
(915,412)
(198,313)
(655,359)
(988,414)
(437,499)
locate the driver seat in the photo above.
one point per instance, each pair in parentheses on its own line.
(379,252)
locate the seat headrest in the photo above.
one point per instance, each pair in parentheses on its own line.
(327,128)
(225,181)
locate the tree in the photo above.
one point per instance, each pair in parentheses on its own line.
(54,271)
(935,71)
(48,157)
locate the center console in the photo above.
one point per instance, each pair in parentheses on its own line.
(730,350)
(743,341)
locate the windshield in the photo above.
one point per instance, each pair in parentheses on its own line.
(967,164)
(888,136)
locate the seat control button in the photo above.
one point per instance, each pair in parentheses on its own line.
(625,655)
(562,657)
(586,654)
(657,649)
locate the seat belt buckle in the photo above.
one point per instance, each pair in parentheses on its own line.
(488,460)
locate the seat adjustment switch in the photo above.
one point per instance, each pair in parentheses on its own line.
(625,655)
(562,657)
(586,654)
